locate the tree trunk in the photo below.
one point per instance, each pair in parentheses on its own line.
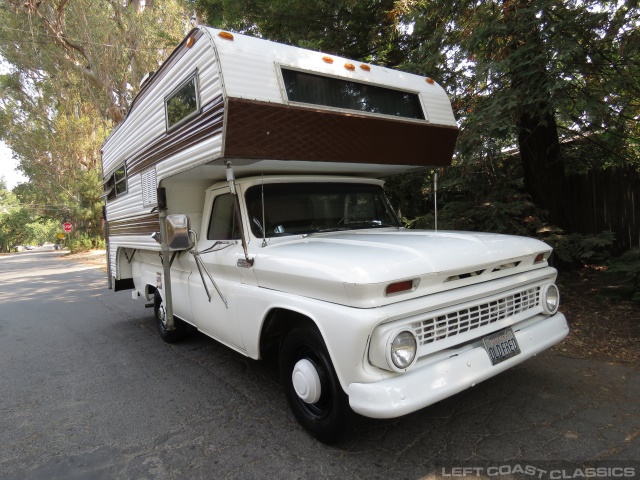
(544,176)
(538,141)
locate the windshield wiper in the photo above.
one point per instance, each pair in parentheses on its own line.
(354,226)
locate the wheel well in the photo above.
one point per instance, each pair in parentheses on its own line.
(149,291)
(279,322)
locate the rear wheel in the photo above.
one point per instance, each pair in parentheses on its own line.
(160,311)
(311,386)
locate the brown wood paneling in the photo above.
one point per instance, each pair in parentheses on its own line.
(135,225)
(208,123)
(260,130)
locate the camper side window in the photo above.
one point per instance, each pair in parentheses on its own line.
(182,103)
(117,183)
(223,224)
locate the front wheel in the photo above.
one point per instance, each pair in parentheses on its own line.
(169,336)
(311,386)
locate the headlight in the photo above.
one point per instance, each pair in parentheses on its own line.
(550,299)
(402,349)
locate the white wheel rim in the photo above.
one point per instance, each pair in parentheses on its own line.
(306,381)
(162,314)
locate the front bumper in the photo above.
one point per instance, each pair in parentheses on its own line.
(425,386)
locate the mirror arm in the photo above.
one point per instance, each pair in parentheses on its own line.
(231,180)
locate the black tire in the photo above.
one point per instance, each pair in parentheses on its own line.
(181,329)
(328,419)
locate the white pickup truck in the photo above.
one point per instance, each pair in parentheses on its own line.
(264,226)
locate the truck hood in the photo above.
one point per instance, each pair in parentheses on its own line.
(354,267)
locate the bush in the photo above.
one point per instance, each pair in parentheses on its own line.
(85,242)
(580,250)
(627,269)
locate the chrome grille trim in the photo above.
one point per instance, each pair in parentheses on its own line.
(475,316)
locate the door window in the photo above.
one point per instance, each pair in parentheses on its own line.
(223,224)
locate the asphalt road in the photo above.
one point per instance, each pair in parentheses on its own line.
(88,390)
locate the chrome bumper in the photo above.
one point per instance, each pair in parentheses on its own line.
(425,386)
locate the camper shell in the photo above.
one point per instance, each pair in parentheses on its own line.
(244,197)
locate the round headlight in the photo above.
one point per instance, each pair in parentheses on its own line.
(551,299)
(403,349)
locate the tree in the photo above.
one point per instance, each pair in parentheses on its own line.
(530,74)
(98,50)
(353,29)
(75,68)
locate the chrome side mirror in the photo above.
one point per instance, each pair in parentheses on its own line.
(178,228)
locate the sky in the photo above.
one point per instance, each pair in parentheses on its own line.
(8,168)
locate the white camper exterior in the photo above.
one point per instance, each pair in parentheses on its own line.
(243,197)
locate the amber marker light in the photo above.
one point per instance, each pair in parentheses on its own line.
(190,42)
(366,68)
(225,35)
(539,258)
(327,59)
(349,66)
(399,287)
(430,81)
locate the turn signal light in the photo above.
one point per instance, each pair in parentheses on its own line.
(399,287)
(190,42)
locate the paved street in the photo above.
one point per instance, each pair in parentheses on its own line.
(88,390)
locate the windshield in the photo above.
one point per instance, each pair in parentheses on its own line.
(302,208)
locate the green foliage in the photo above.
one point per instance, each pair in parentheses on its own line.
(485,196)
(627,269)
(354,29)
(22,226)
(490,197)
(580,250)
(84,242)
(533,74)
(40,231)
(12,228)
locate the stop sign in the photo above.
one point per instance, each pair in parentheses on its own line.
(67,227)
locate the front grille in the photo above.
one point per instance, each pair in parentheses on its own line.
(475,316)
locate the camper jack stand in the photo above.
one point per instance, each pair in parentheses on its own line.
(166,264)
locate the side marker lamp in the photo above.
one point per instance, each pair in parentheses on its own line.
(225,35)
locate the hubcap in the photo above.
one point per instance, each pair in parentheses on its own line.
(306,381)
(162,315)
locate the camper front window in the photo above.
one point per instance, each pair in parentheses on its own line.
(303,87)
(182,103)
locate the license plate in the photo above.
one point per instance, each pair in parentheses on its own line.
(501,346)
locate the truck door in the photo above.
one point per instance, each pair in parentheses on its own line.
(215,274)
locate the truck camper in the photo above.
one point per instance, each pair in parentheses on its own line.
(244,198)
